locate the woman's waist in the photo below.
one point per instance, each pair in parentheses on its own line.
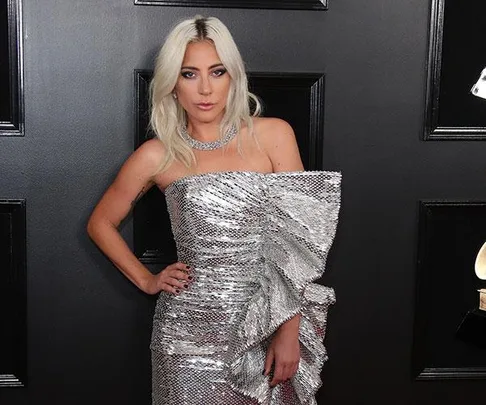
(196,323)
(222,264)
(203,315)
(216,288)
(223,249)
(207,303)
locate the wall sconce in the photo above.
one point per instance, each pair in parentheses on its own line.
(479,89)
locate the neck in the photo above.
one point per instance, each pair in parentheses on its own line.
(204,131)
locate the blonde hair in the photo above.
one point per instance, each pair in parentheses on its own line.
(167,115)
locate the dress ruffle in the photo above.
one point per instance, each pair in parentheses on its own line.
(300,224)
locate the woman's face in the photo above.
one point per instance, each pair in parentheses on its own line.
(203,85)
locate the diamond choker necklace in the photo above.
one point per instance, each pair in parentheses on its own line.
(195,144)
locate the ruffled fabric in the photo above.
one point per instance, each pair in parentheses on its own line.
(299,227)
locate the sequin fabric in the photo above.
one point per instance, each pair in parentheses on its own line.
(256,242)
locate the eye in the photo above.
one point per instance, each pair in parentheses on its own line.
(219,72)
(188,74)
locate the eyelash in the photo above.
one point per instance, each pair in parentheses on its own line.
(187,74)
(190,75)
(220,72)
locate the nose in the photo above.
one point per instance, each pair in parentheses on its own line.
(205,86)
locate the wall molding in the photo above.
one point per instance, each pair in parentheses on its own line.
(14,125)
(317,5)
(449,237)
(444,55)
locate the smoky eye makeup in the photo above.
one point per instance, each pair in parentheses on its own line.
(219,72)
(215,70)
(187,74)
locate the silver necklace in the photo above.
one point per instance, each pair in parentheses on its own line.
(195,144)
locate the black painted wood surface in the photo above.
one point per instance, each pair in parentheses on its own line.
(88,328)
(13,296)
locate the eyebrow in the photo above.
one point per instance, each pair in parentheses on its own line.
(195,68)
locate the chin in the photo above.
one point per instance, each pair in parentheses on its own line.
(207,117)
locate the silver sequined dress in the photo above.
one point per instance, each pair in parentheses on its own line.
(256,242)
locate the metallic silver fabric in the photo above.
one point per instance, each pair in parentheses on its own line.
(256,242)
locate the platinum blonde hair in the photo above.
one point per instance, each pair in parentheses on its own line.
(167,115)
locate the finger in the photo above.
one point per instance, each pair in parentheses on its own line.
(170,289)
(275,381)
(282,376)
(289,372)
(178,275)
(166,277)
(180,266)
(268,362)
(294,370)
(179,284)
(286,372)
(278,374)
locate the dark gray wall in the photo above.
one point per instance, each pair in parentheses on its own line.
(88,328)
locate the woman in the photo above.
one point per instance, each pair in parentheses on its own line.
(238,320)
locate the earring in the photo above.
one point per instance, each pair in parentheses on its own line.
(174,95)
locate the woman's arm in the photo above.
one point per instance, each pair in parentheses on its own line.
(134,179)
(278,140)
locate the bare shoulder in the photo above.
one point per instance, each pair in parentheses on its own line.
(277,138)
(151,151)
(147,157)
(273,130)
(141,166)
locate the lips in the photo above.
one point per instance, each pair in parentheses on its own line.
(205,106)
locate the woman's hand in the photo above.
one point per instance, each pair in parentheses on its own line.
(284,352)
(173,279)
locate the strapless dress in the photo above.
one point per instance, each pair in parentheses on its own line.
(256,243)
